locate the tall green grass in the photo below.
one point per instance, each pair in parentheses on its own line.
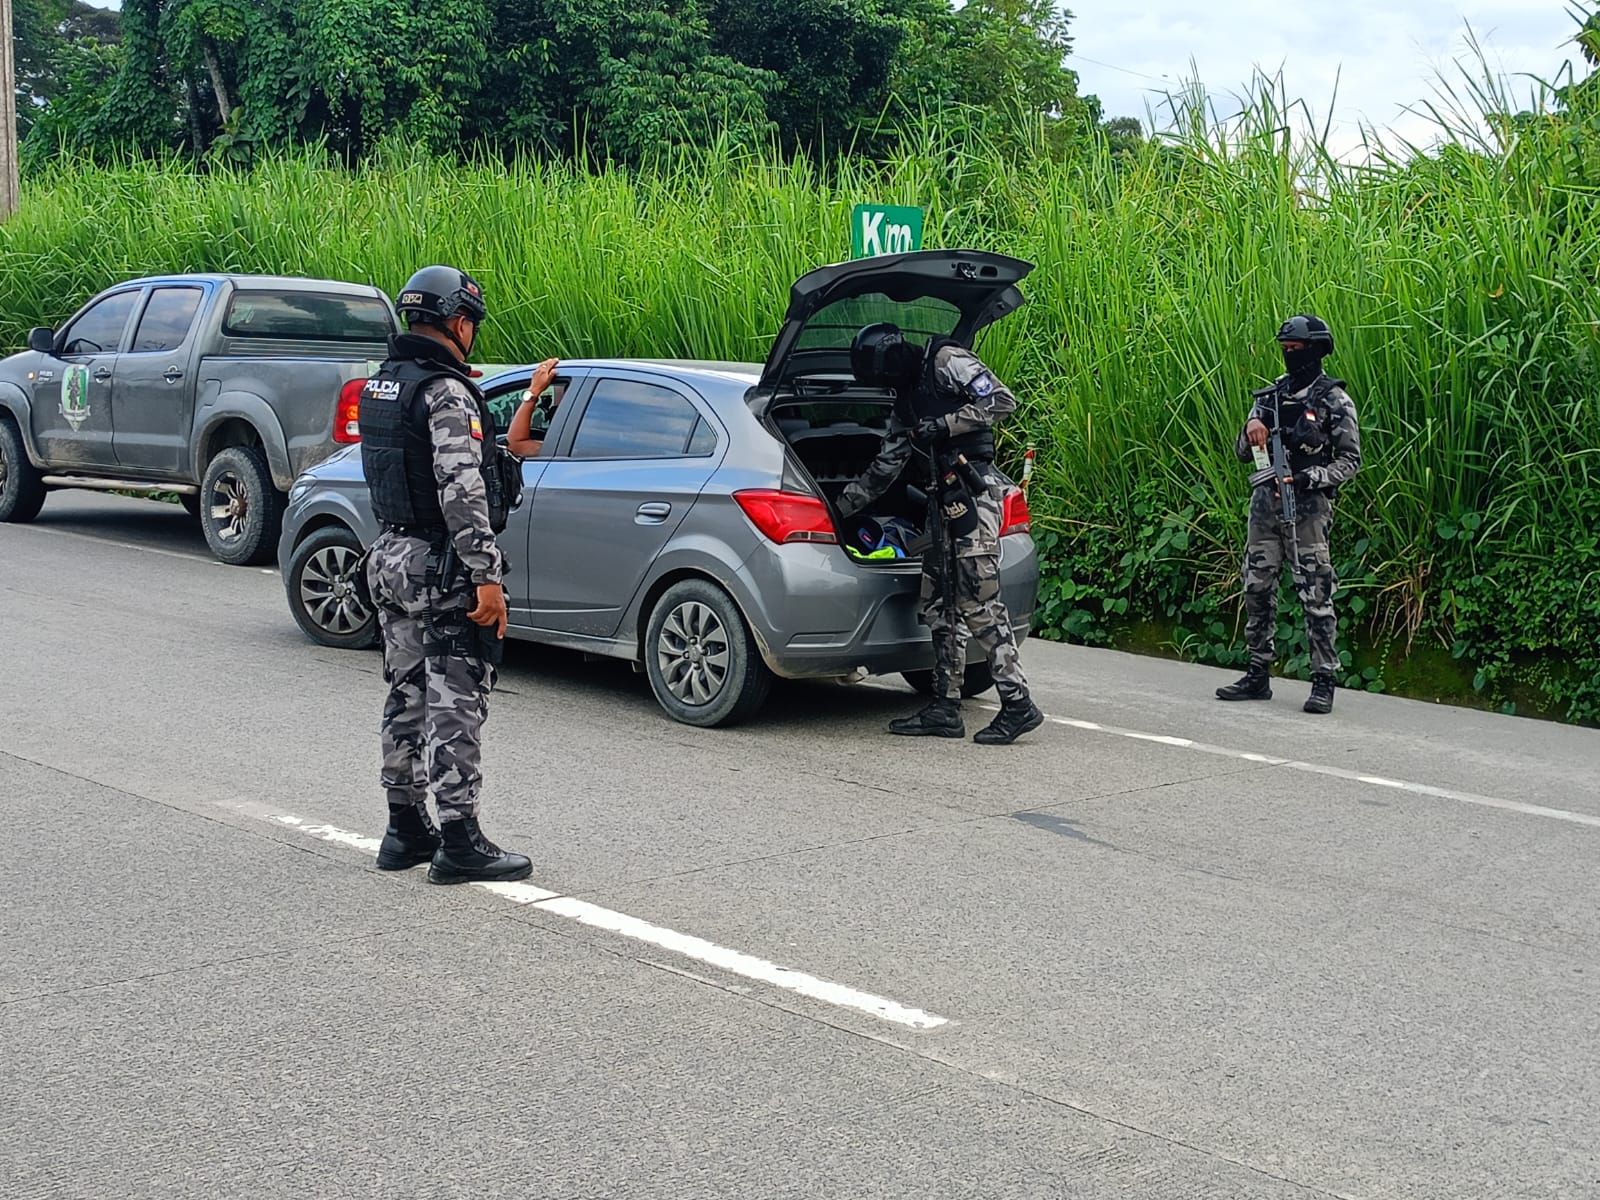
(1461,286)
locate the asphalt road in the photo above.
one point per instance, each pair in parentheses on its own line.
(1164,947)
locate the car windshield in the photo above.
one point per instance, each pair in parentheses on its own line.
(833,327)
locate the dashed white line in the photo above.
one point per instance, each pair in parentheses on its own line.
(733,961)
(1404,785)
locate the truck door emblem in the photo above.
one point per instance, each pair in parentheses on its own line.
(75,395)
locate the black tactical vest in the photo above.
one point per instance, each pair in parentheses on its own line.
(397,445)
(1307,423)
(932,400)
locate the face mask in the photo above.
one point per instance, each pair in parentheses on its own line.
(1303,365)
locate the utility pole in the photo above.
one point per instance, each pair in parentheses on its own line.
(8,113)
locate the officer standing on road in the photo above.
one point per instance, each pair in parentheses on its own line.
(429,453)
(947,404)
(1323,445)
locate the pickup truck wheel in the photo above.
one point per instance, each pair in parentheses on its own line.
(240,510)
(700,658)
(322,593)
(21,488)
(975,680)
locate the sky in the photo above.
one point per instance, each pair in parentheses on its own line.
(1386,56)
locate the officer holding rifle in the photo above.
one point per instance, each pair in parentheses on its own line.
(1303,437)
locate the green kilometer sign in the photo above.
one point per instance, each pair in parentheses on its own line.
(884,229)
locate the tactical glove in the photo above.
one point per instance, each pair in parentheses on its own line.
(929,430)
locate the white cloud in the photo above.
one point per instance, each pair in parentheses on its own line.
(1384,57)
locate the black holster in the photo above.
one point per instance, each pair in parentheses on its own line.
(450,633)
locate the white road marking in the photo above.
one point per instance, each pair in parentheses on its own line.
(105,541)
(1420,789)
(689,946)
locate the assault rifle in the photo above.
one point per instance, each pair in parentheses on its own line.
(1276,471)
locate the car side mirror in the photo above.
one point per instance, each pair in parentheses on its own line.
(42,339)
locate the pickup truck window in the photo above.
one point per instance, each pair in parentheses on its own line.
(166,319)
(307,316)
(99,330)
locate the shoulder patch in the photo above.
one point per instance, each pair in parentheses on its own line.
(983,383)
(477,429)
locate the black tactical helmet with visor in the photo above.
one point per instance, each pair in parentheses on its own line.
(880,356)
(435,294)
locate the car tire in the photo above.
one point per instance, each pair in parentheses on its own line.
(21,487)
(702,662)
(240,510)
(321,591)
(975,680)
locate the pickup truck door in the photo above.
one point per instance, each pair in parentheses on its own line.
(614,492)
(153,382)
(72,388)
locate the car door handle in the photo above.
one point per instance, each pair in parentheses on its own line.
(101,374)
(172,375)
(652,512)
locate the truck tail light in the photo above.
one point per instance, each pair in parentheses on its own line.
(1014,514)
(788,516)
(347,413)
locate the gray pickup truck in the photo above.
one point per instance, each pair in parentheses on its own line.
(220,388)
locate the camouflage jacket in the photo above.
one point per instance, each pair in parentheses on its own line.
(956,372)
(1344,437)
(457,467)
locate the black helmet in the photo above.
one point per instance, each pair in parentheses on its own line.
(1313,331)
(878,354)
(437,293)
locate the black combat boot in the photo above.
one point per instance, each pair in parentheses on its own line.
(410,839)
(1256,685)
(1321,698)
(1016,718)
(941,718)
(466,855)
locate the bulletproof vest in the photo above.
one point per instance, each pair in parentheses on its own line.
(397,444)
(931,399)
(1307,423)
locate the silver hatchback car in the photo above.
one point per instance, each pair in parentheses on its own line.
(681,514)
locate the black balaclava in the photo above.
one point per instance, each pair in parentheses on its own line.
(1303,365)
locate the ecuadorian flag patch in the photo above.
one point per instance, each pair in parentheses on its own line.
(477,428)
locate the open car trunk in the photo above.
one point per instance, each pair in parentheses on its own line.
(835,437)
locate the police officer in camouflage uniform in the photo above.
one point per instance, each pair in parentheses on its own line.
(1323,444)
(947,404)
(432,466)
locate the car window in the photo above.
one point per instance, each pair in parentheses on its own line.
(836,324)
(307,316)
(99,331)
(703,440)
(627,419)
(166,319)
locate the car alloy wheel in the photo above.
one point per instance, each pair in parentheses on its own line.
(692,652)
(230,506)
(328,591)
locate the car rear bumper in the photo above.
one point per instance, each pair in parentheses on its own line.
(815,612)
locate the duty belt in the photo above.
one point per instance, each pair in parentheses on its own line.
(425,532)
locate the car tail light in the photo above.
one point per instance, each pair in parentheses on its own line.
(788,516)
(347,413)
(1014,514)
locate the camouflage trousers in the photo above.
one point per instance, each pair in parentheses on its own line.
(1266,548)
(433,718)
(980,613)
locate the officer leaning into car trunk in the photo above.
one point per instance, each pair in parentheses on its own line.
(947,404)
(441,492)
(1322,440)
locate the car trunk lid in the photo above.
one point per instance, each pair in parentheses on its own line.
(952,293)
